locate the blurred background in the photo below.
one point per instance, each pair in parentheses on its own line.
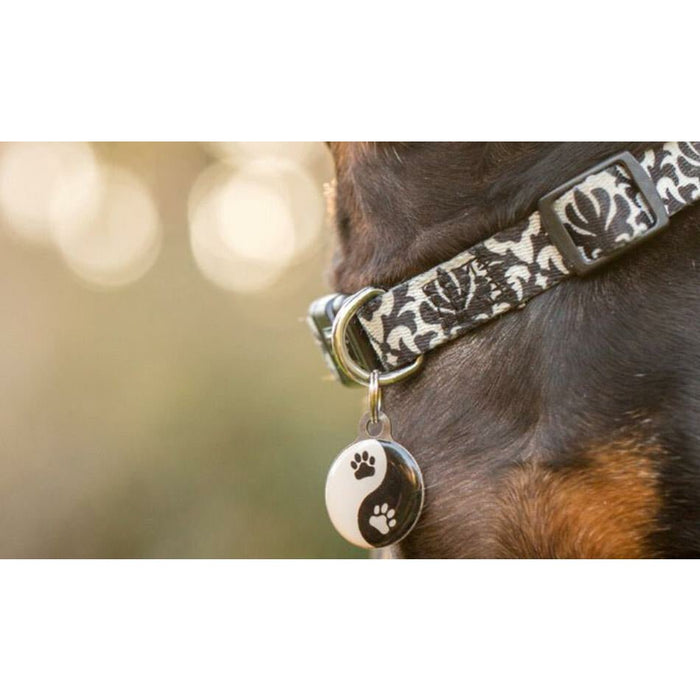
(160,394)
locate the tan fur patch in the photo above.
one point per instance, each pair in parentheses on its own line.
(330,194)
(603,507)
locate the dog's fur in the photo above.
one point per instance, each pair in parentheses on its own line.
(568,428)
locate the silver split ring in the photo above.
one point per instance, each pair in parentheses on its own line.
(375,396)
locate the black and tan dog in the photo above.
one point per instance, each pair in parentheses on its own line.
(567,429)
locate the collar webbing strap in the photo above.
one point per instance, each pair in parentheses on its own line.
(579,226)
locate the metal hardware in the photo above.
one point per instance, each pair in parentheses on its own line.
(320,320)
(379,430)
(374,489)
(342,355)
(375,396)
(562,239)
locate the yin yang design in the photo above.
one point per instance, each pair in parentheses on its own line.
(374,493)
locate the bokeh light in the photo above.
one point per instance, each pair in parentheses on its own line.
(248,224)
(115,236)
(237,152)
(32,175)
(252,214)
(183,416)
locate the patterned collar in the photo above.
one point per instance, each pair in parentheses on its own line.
(581,225)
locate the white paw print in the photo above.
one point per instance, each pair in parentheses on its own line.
(383,518)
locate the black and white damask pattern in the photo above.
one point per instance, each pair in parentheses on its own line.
(604,212)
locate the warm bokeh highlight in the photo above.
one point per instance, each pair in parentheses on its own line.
(159,392)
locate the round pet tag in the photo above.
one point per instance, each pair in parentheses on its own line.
(374,490)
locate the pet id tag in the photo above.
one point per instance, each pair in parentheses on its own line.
(374,489)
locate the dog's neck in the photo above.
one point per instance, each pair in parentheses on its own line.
(402,208)
(555,431)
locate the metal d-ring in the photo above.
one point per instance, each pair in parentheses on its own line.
(340,348)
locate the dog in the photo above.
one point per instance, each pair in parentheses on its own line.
(568,428)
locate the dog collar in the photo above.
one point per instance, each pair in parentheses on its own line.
(585,223)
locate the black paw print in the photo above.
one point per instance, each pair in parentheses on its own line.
(363,465)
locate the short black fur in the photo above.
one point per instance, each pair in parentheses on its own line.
(611,356)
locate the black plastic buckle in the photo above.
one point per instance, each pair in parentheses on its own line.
(320,318)
(561,238)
